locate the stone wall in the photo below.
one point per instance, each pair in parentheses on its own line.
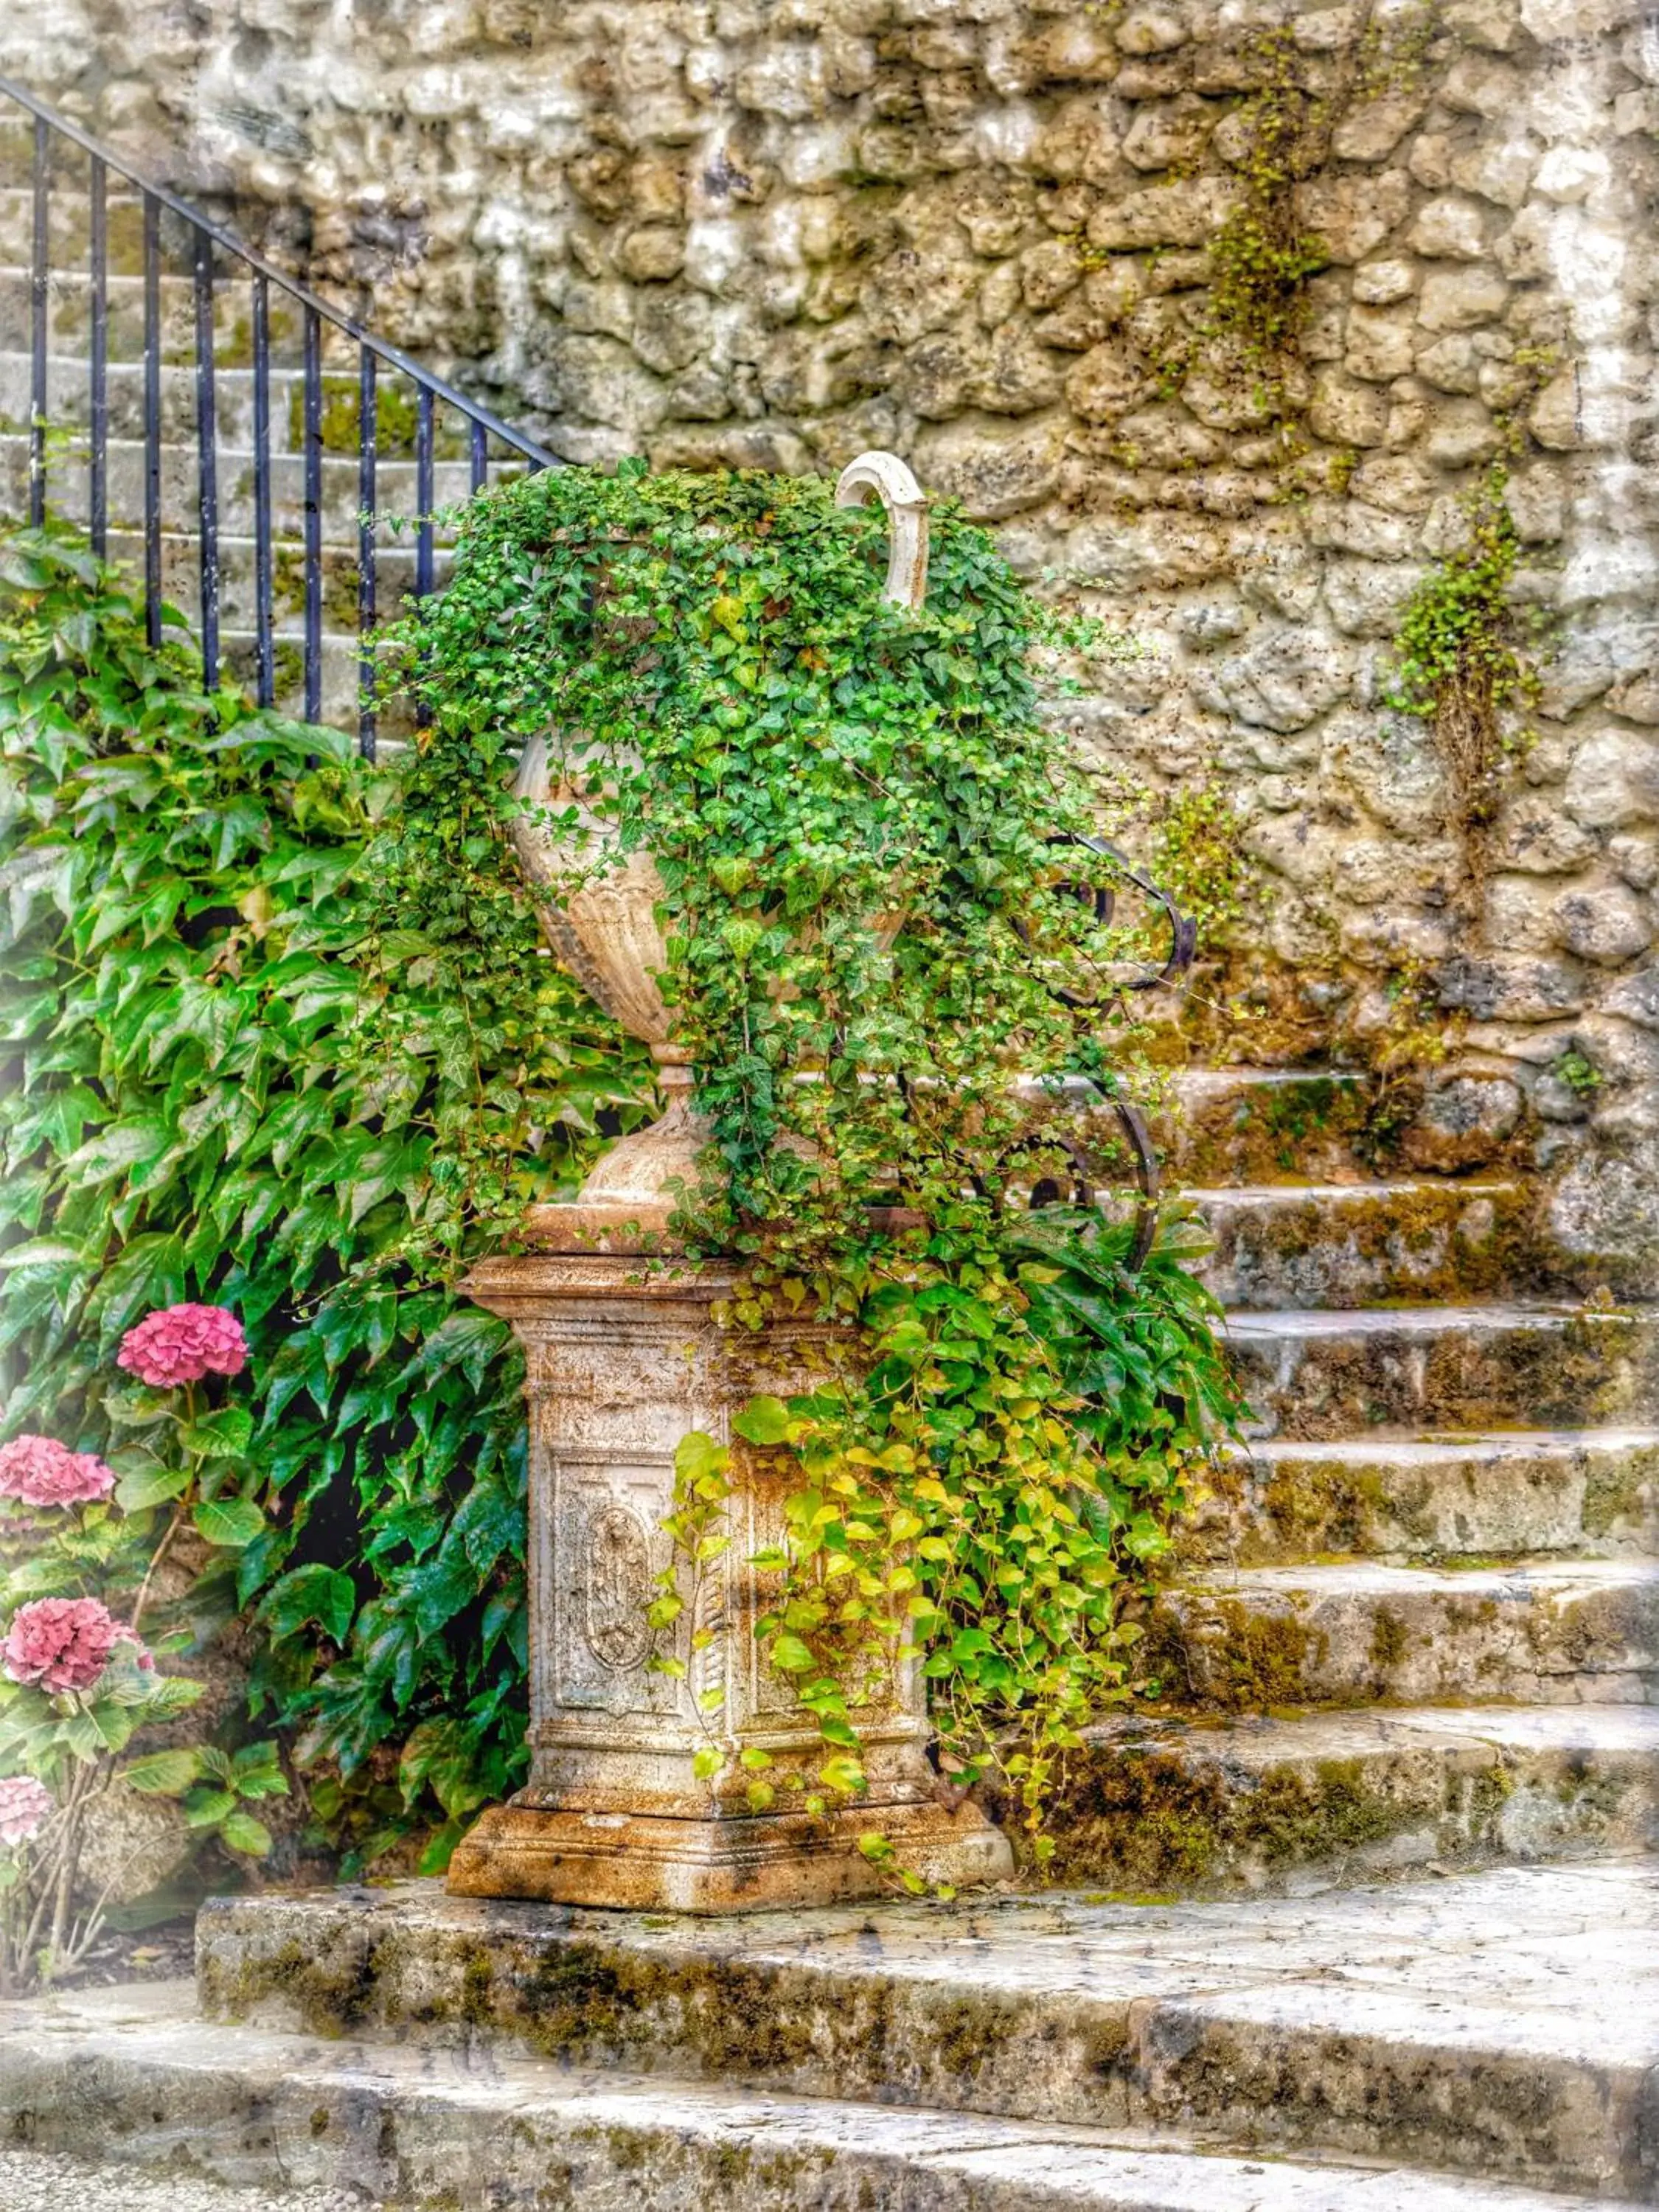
(1013,241)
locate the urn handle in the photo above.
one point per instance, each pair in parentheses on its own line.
(885,477)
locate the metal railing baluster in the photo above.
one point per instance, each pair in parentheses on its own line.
(37,303)
(367,443)
(423,494)
(153,419)
(98,459)
(314,513)
(264,656)
(207,460)
(424,521)
(376,357)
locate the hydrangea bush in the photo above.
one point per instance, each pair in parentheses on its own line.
(78,1575)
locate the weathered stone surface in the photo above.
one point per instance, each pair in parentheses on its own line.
(1285,680)
(624,1357)
(1093,1999)
(1566,1634)
(1535,1494)
(1340,1245)
(1515,989)
(1606,1210)
(986,237)
(1609,925)
(1278,1804)
(1351,216)
(1463,1122)
(1614,779)
(1461,300)
(1070,2014)
(267,2111)
(1316,1376)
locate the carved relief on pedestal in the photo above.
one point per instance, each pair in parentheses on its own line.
(618,1575)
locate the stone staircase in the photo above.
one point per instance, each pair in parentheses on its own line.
(1355,1913)
(1418,1624)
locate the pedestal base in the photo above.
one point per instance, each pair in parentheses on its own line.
(641,1861)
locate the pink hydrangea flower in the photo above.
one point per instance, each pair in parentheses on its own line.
(182,1344)
(26,1805)
(39,1471)
(60,1643)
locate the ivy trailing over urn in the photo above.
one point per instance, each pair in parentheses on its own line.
(884,974)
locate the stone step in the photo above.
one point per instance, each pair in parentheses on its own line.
(235,483)
(133,2075)
(1325,1798)
(1315,1376)
(1354,1244)
(1250,1125)
(69,409)
(69,406)
(69,231)
(1587,1493)
(69,315)
(1503,2024)
(1584,1633)
(395,491)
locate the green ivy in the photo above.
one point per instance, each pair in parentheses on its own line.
(236,1070)
(1458,657)
(872,931)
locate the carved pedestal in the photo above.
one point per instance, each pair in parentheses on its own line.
(625,1357)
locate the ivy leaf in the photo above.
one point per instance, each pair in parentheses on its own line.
(324,1595)
(762,1421)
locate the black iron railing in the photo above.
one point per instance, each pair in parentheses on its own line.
(214,259)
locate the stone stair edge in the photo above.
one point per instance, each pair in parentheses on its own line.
(1300,1803)
(290,2109)
(1466,2024)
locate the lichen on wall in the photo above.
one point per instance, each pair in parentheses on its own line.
(1221,313)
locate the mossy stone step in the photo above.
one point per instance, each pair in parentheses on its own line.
(1336,1375)
(1304,1802)
(1341,1245)
(1565,1632)
(134,2076)
(1504,2025)
(1250,1125)
(1586,1493)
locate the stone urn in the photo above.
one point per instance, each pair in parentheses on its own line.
(608,934)
(626,1355)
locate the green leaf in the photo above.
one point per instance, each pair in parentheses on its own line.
(326,1596)
(791,1654)
(206,1807)
(232,1522)
(150,1487)
(225,1433)
(240,1831)
(762,1421)
(163,1773)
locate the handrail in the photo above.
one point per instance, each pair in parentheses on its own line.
(228,241)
